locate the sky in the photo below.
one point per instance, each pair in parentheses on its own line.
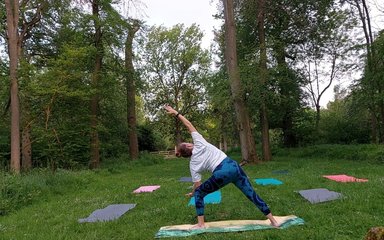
(171,12)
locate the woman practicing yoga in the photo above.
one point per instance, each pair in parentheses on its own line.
(206,157)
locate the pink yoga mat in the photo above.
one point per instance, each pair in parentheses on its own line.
(146,189)
(345,178)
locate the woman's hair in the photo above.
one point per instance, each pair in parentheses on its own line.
(183,151)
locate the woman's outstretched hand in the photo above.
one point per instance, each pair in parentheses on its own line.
(180,117)
(170,110)
(189,194)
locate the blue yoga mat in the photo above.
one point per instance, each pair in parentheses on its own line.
(212,198)
(268,181)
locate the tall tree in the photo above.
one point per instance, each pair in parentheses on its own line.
(328,56)
(286,102)
(131,91)
(290,27)
(372,86)
(21,19)
(174,68)
(248,146)
(96,78)
(267,155)
(12,8)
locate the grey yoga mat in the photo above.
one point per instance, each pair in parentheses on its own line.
(109,213)
(185,179)
(319,195)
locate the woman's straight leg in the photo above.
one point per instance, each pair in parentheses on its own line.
(245,186)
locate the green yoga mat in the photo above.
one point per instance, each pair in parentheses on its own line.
(227,226)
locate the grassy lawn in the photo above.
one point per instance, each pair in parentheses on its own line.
(52,204)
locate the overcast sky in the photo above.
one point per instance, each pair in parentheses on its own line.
(172,12)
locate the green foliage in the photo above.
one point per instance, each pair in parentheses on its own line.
(345,122)
(55,87)
(55,79)
(371,86)
(220,118)
(174,67)
(304,127)
(60,130)
(150,139)
(301,32)
(5,147)
(235,153)
(4,116)
(285,103)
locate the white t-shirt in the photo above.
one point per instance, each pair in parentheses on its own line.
(205,157)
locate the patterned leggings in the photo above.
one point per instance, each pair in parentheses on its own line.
(228,171)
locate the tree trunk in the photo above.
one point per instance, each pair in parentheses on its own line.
(95,142)
(25,33)
(381,127)
(131,93)
(376,124)
(223,138)
(286,85)
(25,119)
(178,138)
(267,155)
(12,8)
(248,146)
(223,143)
(318,109)
(26,160)
(373,127)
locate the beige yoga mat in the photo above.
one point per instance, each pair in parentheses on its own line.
(231,223)
(227,226)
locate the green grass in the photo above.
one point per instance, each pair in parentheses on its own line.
(47,206)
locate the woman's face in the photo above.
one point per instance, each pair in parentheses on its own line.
(188,145)
(185,149)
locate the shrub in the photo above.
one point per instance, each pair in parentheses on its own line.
(17,191)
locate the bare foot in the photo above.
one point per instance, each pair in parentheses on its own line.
(197,226)
(275,224)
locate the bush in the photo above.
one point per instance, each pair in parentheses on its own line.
(151,139)
(147,159)
(344,123)
(17,191)
(5,148)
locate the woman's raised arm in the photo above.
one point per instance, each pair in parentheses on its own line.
(185,121)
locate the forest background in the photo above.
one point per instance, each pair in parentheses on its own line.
(82,81)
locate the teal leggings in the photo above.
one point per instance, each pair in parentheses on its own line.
(228,171)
